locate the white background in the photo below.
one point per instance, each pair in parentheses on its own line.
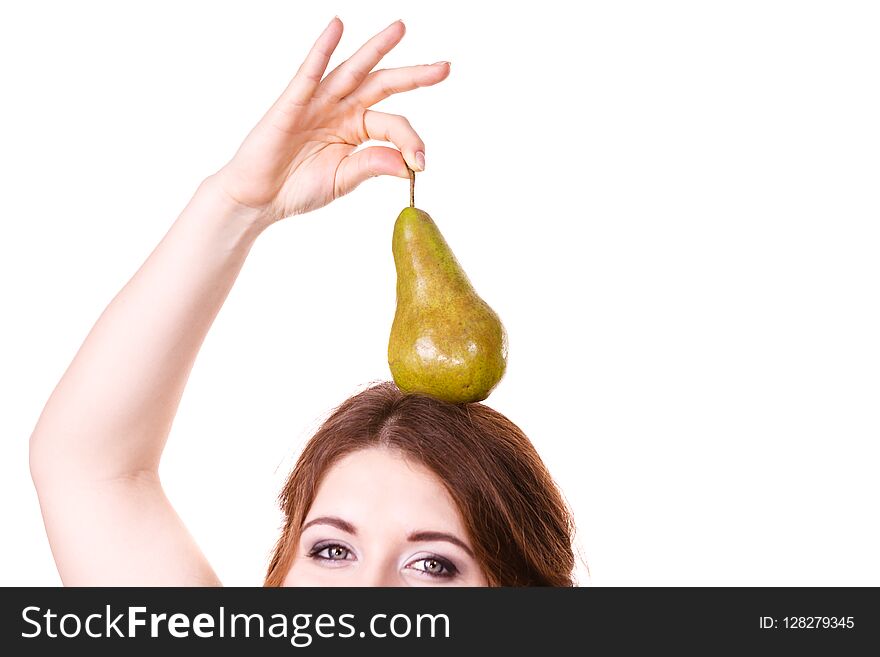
(672,206)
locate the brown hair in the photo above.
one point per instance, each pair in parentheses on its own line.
(518,522)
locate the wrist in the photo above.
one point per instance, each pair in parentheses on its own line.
(252,220)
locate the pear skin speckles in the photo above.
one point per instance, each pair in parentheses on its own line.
(445,340)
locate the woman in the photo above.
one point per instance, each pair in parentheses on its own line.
(393,489)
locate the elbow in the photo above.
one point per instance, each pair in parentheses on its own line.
(39,459)
(35,459)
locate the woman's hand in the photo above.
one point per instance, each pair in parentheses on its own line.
(300,157)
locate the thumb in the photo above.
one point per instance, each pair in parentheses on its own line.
(368,163)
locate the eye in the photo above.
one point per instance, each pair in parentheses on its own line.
(331,552)
(434,566)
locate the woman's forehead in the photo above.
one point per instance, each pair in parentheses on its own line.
(379,484)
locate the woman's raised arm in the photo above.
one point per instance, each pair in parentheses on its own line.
(95,450)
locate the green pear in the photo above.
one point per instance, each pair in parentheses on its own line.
(445,340)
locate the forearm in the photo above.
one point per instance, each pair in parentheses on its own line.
(111,413)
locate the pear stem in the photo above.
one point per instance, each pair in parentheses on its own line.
(412,187)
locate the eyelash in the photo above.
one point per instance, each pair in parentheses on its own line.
(448,566)
(451,570)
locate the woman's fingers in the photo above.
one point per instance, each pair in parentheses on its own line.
(348,76)
(368,163)
(303,85)
(381,160)
(397,130)
(383,83)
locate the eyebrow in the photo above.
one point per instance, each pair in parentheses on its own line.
(415,537)
(333,521)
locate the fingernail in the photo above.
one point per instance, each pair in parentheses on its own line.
(420,161)
(449,64)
